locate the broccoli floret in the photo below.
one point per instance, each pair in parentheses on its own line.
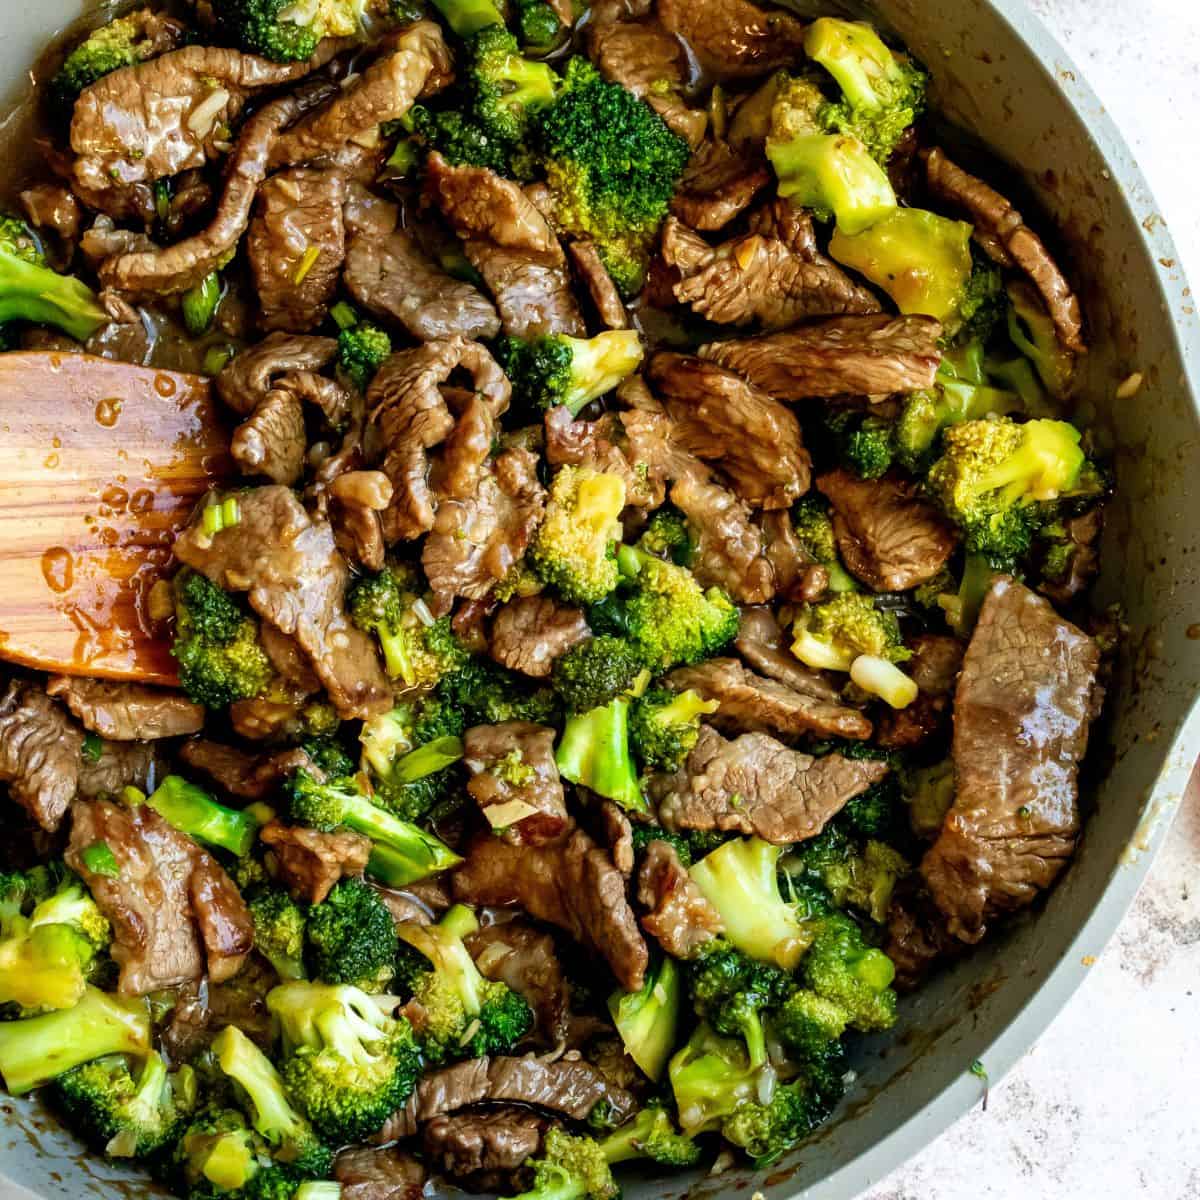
(830,635)
(484,693)
(466,1015)
(35,1050)
(347,1065)
(859,875)
(740,880)
(574,549)
(929,792)
(668,536)
(410,752)
(216,644)
(402,853)
(648,1019)
(122,1114)
(982,304)
(612,165)
(217,1155)
(813,527)
(650,1134)
(107,49)
(362,346)
(839,966)
(193,811)
(352,938)
(30,291)
(279,925)
(594,752)
(328,754)
(466,17)
(664,726)
(538,24)
(284,31)
(199,304)
(570,1168)
(416,651)
(863,442)
(806,1023)
(1033,333)
(289,1135)
(882,94)
(596,671)
(572,372)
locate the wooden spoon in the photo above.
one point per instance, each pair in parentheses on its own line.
(101,463)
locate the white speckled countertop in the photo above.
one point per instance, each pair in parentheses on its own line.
(1104,1107)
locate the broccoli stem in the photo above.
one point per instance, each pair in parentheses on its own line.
(425,760)
(399,866)
(29,292)
(193,811)
(648,1020)
(466,17)
(594,752)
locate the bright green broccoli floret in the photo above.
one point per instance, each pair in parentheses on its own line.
(123,1114)
(402,852)
(595,672)
(538,24)
(813,527)
(594,752)
(668,536)
(466,17)
(570,1168)
(612,165)
(35,1050)
(839,966)
(650,1134)
(882,94)
(216,644)
(467,1016)
(352,938)
(484,693)
(347,1065)
(107,49)
(362,346)
(560,370)
(218,1155)
(664,726)
(830,635)
(285,31)
(574,549)
(648,1019)
(289,1135)
(279,925)
(30,291)
(192,810)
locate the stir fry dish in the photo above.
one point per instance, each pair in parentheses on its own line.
(643,628)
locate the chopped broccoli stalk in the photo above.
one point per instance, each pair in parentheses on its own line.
(648,1020)
(123,1115)
(424,761)
(1033,333)
(216,644)
(830,635)
(922,260)
(574,549)
(352,938)
(279,926)
(560,370)
(594,753)
(650,1134)
(200,304)
(107,49)
(289,1135)
(739,879)
(664,726)
(882,93)
(961,607)
(814,531)
(596,671)
(466,1015)
(466,17)
(35,1050)
(362,345)
(538,24)
(612,165)
(192,810)
(403,853)
(284,31)
(347,1066)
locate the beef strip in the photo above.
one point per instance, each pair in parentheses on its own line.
(1082,537)
(296,245)
(761,642)
(916,934)
(734,39)
(934,667)
(392,277)
(566,1086)
(311,862)
(120,765)
(1026,696)
(388,1174)
(857,355)
(480,1149)
(248,377)
(1001,231)
(616,832)
(756,785)
(54,207)
(593,274)
(753,703)
(722,419)
(516,953)
(296,580)
(170,904)
(511,244)
(246,776)
(127,712)
(614,444)
(677,914)
(531,632)
(357,502)
(719,183)
(573,885)
(515,782)
(41,750)
(887,535)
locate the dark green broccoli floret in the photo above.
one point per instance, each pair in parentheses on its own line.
(484,693)
(612,165)
(574,550)
(981,307)
(561,370)
(279,925)
(351,937)
(347,1066)
(123,1114)
(329,755)
(286,1132)
(107,49)
(538,24)
(854,873)
(35,1050)
(594,752)
(362,346)
(664,726)
(595,672)
(216,644)
(282,30)
(668,536)
(466,1015)
(863,443)
(192,810)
